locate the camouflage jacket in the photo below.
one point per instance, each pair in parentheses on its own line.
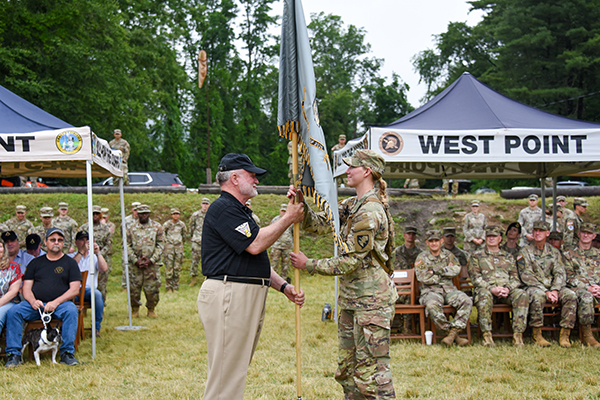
(527,217)
(145,240)
(513,251)
(572,224)
(461,255)
(111,227)
(488,270)
(364,284)
(286,239)
(542,269)
(196,223)
(122,145)
(445,266)
(174,234)
(40,230)
(102,236)
(582,267)
(69,227)
(129,220)
(405,258)
(473,227)
(20,228)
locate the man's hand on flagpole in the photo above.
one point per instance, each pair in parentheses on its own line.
(292,192)
(298,260)
(292,295)
(295,212)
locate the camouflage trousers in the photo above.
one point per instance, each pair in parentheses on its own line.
(173,259)
(484,300)
(537,299)
(585,307)
(196,248)
(147,279)
(125,176)
(446,184)
(103,277)
(280,261)
(434,303)
(364,354)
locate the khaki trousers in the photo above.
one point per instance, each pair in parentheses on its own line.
(232,315)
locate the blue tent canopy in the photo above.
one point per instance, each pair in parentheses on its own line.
(20,116)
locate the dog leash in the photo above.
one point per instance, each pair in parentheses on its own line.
(46,317)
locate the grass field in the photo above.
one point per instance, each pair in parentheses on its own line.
(168,359)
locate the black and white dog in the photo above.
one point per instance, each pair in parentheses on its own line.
(42,340)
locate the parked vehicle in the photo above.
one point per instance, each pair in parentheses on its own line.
(147,179)
(485,190)
(571,184)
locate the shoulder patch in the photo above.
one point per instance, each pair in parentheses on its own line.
(244,229)
(419,262)
(519,257)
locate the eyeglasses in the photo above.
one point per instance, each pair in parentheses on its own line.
(56,240)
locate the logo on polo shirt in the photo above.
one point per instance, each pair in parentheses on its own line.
(58,270)
(244,229)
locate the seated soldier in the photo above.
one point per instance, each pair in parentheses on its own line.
(583,277)
(435,269)
(543,274)
(513,232)
(449,244)
(50,282)
(496,280)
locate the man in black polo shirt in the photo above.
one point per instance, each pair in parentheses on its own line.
(50,282)
(231,302)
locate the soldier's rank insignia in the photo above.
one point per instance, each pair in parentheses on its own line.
(362,240)
(244,229)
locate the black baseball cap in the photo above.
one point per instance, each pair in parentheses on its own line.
(82,235)
(233,161)
(9,235)
(50,231)
(32,241)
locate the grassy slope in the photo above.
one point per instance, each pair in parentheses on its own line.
(168,360)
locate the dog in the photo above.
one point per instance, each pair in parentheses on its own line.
(42,340)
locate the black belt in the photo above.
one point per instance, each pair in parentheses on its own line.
(242,279)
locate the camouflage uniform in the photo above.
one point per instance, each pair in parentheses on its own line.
(122,145)
(129,220)
(542,271)
(572,224)
(438,289)
(20,228)
(69,227)
(3,227)
(412,183)
(196,223)
(340,179)
(405,258)
(174,236)
(461,255)
(446,185)
(488,270)
(512,251)
(473,229)
(103,237)
(280,250)
(145,240)
(367,296)
(583,270)
(527,217)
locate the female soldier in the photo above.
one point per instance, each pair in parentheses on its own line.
(367,293)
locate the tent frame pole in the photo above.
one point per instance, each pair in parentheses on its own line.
(92,264)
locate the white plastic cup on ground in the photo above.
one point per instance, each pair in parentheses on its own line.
(428,337)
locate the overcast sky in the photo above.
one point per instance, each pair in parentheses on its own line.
(397,29)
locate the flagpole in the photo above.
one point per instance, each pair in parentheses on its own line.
(296,270)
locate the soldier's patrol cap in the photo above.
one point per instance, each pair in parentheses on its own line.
(543,225)
(51,231)
(97,209)
(493,230)
(82,235)
(63,206)
(449,231)
(104,210)
(342,137)
(533,197)
(46,212)
(32,241)
(205,200)
(410,229)
(136,204)
(475,203)
(173,211)
(434,234)
(515,225)
(283,207)
(587,227)
(233,161)
(117,131)
(21,208)
(368,159)
(580,201)
(143,209)
(561,198)
(8,236)
(555,235)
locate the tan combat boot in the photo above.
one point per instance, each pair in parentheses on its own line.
(518,339)
(539,339)
(448,340)
(151,313)
(588,336)
(462,342)
(488,341)
(135,312)
(193,282)
(564,337)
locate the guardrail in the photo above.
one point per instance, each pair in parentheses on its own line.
(95,189)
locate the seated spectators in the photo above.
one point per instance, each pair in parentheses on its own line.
(10,283)
(34,245)
(15,254)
